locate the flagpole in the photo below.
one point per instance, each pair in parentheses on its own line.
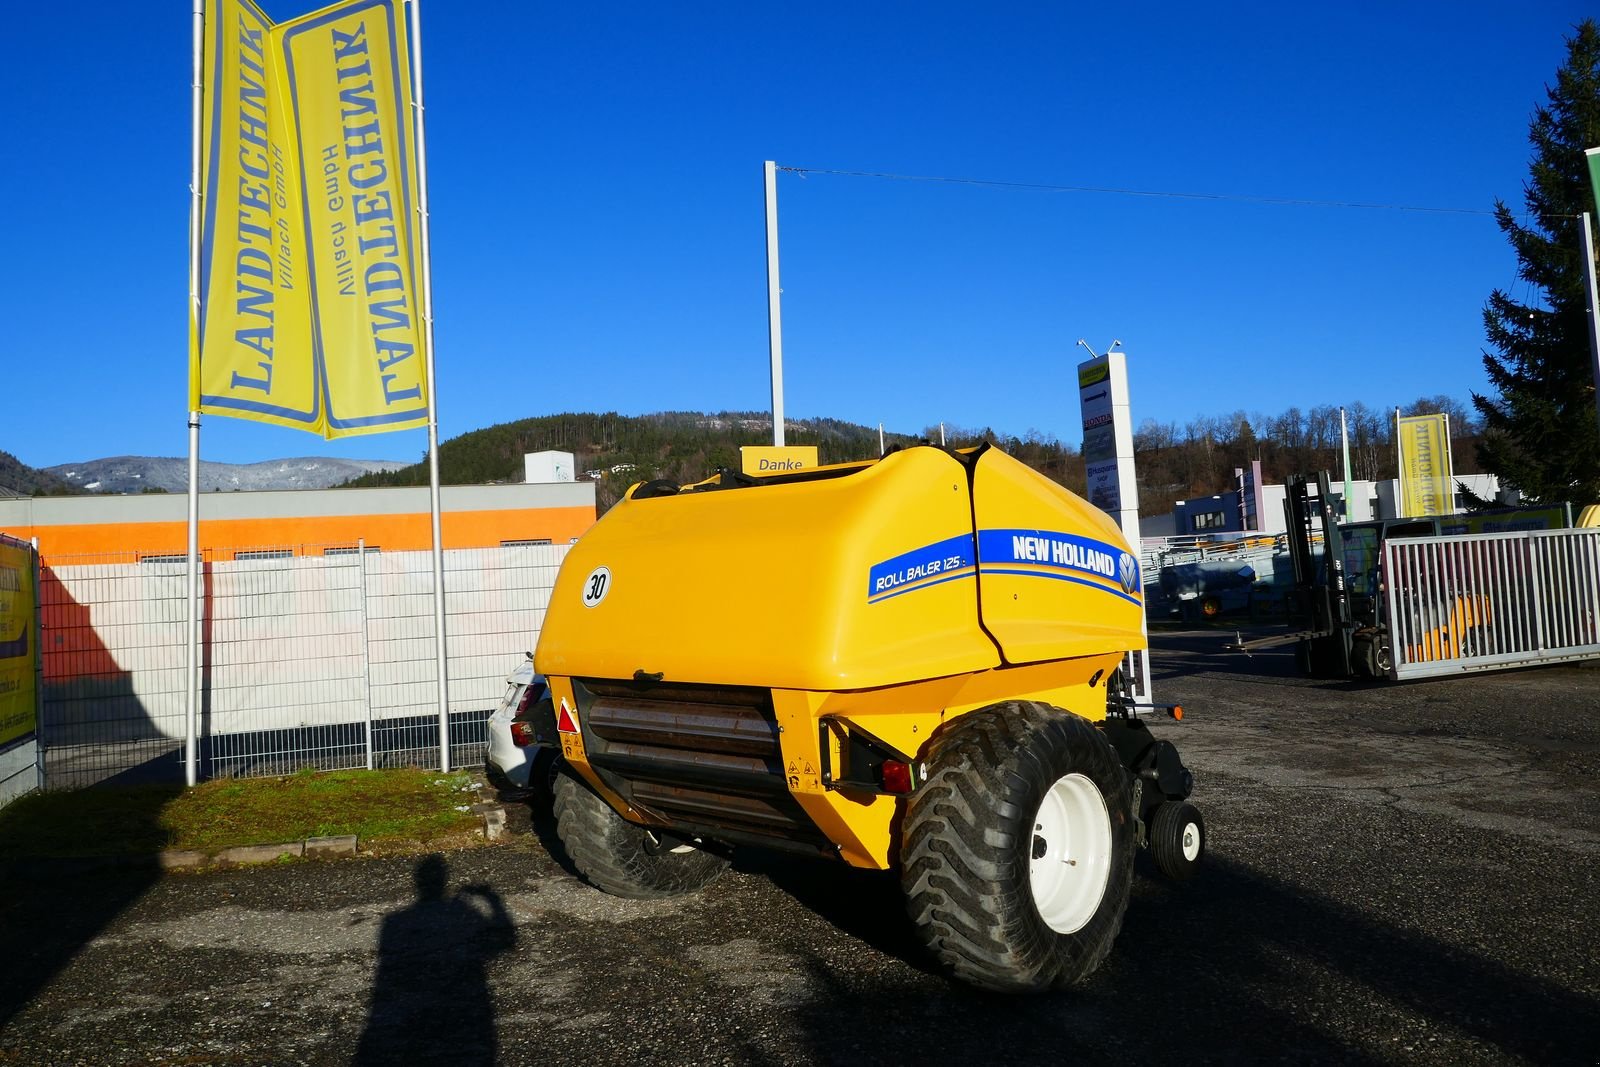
(433,402)
(1344,445)
(191,702)
(774,302)
(1592,290)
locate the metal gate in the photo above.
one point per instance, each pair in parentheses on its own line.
(1491,601)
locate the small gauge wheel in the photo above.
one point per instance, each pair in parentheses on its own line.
(1177,839)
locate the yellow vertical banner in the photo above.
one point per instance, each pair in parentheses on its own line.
(309,268)
(254,357)
(347,83)
(1426,479)
(18,642)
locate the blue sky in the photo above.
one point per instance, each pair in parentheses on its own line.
(598,236)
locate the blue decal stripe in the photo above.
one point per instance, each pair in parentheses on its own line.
(1064,578)
(911,568)
(1048,570)
(968,573)
(1056,551)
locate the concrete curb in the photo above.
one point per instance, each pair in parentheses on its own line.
(343,845)
(174,859)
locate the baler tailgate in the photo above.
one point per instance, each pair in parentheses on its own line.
(704,758)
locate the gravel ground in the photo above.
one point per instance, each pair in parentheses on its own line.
(1398,873)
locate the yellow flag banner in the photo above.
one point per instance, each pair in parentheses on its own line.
(254,357)
(1426,479)
(18,711)
(310,316)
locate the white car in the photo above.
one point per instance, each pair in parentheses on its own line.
(516,763)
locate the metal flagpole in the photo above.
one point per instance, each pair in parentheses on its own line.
(774,314)
(1344,445)
(442,666)
(191,703)
(1594,306)
(1400,507)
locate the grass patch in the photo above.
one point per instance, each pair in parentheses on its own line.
(376,806)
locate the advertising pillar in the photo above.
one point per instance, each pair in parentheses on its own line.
(1108,458)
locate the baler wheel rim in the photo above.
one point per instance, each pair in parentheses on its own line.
(1071,854)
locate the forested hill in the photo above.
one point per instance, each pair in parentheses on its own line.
(618,450)
(1175,462)
(19,479)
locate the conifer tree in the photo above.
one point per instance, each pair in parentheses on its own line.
(1541,433)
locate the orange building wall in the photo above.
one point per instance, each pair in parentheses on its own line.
(307,535)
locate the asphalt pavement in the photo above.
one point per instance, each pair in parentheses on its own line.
(1397,874)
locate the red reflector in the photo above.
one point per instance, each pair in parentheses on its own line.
(896,776)
(1177,711)
(566,722)
(522,734)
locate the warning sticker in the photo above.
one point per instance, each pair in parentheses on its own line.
(567,720)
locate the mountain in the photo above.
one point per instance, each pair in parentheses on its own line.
(146,474)
(19,479)
(618,450)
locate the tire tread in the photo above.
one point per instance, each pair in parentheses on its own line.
(964,870)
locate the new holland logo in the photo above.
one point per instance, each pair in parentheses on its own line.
(1128,573)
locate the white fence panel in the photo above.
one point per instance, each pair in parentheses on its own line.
(311,660)
(1490,601)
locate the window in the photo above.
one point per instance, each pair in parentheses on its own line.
(523,544)
(172,558)
(1210,520)
(265,553)
(348,550)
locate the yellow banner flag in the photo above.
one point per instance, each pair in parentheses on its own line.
(311,314)
(253,359)
(18,642)
(1426,480)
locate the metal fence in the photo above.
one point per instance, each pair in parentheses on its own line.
(311,656)
(1488,601)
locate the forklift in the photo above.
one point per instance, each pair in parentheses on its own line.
(1336,607)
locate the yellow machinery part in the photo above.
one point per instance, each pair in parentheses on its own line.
(772,586)
(894,596)
(860,823)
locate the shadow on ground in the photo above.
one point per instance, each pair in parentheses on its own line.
(56,895)
(1233,966)
(430,997)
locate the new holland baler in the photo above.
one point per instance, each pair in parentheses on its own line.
(908,664)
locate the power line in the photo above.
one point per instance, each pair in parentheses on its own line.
(1167,194)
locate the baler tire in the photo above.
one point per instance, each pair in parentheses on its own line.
(619,857)
(1176,854)
(970,845)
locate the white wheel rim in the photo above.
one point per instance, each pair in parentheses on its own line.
(1070,854)
(1190,841)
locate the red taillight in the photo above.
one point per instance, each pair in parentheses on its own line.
(527,699)
(522,734)
(896,776)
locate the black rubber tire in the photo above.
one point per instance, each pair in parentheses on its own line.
(1171,823)
(542,774)
(969,837)
(619,857)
